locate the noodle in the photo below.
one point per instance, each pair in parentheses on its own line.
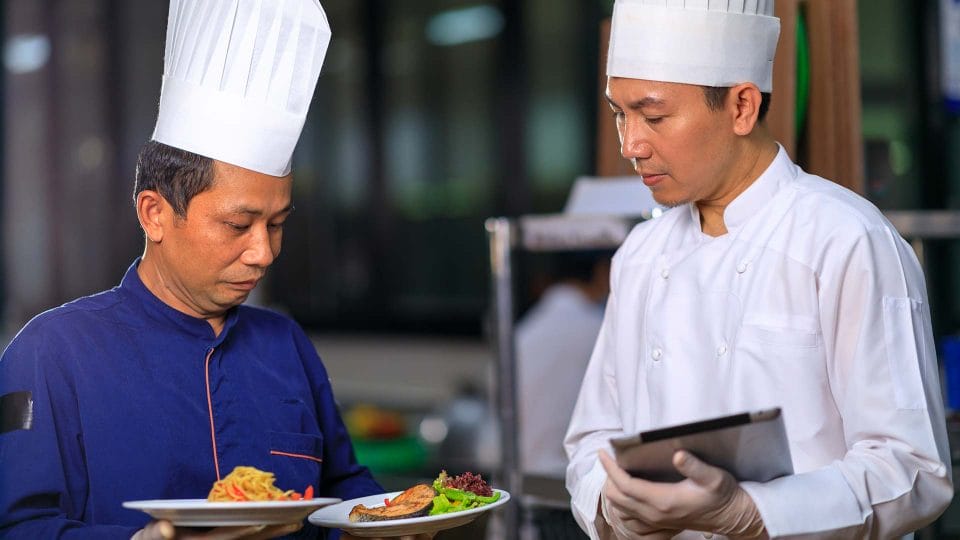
(249,484)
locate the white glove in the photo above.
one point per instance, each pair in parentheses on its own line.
(708,499)
(626,528)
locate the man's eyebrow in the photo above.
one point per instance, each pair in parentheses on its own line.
(638,104)
(240,209)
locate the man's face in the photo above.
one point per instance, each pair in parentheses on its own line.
(683,150)
(213,258)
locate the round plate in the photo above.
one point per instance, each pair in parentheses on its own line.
(202,513)
(336,517)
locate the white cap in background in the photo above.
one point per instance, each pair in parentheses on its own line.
(238,78)
(703,42)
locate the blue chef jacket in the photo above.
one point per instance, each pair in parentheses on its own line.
(134,400)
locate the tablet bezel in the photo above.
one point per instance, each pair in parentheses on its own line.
(752,446)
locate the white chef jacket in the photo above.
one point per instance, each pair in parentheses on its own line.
(553,344)
(811,302)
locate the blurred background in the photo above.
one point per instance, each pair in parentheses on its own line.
(430,117)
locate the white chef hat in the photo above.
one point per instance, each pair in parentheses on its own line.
(238,77)
(704,42)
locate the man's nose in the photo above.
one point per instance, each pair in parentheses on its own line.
(633,144)
(259,251)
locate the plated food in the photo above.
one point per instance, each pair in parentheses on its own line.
(246,496)
(337,516)
(447,494)
(252,484)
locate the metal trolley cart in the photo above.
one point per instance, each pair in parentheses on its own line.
(535,233)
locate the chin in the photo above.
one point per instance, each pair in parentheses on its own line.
(667,201)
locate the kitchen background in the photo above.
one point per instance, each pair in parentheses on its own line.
(430,116)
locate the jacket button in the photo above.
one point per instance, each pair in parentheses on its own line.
(741,268)
(665,273)
(656,354)
(722,349)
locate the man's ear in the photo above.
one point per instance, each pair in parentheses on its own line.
(151,210)
(745,99)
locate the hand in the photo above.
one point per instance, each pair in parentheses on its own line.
(625,527)
(708,499)
(346,536)
(164,530)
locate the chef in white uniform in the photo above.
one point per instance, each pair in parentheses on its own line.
(763,286)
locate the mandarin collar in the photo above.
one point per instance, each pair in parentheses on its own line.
(749,203)
(761,191)
(156,309)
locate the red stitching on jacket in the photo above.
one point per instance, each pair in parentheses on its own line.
(213,436)
(304,456)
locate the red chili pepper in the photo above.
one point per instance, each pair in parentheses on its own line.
(237,493)
(308,493)
(295,496)
(386,502)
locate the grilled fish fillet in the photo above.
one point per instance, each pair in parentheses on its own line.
(414,502)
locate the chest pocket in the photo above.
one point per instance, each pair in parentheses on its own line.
(296,432)
(297,445)
(296,459)
(778,337)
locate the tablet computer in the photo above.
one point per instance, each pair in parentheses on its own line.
(751,446)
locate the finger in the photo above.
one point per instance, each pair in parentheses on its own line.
(157,530)
(638,526)
(631,488)
(166,530)
(616,499)
(658,535)
(701,473)
(275,531)
(633,529)
(227,533)
(617,475)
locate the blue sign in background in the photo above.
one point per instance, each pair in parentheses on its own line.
(950,351)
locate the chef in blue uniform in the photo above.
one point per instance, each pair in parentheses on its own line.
(159,387)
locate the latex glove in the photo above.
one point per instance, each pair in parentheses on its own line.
(625,527)
(164,530)
(424,536)
(709,499)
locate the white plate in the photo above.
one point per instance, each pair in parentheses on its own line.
(202,513)
(336,517)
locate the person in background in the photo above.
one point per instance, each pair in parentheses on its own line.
(763,286)
(553,343)
(159,387)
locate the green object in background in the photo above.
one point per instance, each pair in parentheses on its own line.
(803,74)
(390,456)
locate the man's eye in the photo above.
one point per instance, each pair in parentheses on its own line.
(276,226)
(237,226)
(653,119)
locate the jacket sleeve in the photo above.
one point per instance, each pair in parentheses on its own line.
(341,475)
(882,368)
(43,484)
(595,419)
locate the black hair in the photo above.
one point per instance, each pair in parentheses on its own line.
(178,175)
(714,95)
(579,265)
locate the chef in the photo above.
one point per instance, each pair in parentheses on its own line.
(159,387)
(763,286)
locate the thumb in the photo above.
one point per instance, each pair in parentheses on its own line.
(689,466)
